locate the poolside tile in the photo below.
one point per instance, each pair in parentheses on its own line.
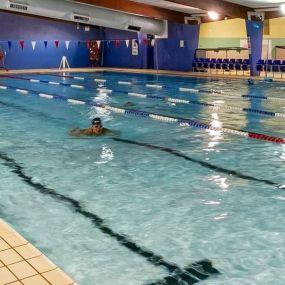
(3,245)
(9,256)
(42,264)
(10,235)
(22,269)
(58,277)
(28,251)
(35,280)
(6,276)
(15,283)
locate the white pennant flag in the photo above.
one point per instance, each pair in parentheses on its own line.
(98,44)
(34,44)
(67,44)
(127,43)
(152,42)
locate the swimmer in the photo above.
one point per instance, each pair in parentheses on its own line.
(250,81)
(96,129)
(129,104)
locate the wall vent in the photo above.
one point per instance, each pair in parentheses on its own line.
(18,6)
(134,28)
(80,18)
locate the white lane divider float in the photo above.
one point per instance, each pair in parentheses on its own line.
(77,102)
(99,80)
(154,86)
(34,80)
(77,86)
(124,83)
(53,83)
(22,91)
(79,78)
(3,87)
(182,89)
(47,96)
(104,90)
(137,95)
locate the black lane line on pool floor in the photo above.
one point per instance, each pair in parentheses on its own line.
(200,162)
(165,149)
(191,274)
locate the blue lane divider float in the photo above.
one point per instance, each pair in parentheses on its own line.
(158,117)
(210,105)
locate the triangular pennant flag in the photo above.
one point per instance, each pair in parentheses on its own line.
(34,44)
(88,44)
(45,43)
(182,43)
(9,44)
(78,43)
(145,41)
(67,44)
(152,42)
(22,44)
(117,43)
(127,43)
(98,44)
(56,43)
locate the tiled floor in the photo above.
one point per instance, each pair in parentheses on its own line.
(23,264)
(218,74)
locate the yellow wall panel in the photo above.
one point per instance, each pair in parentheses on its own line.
(234,28)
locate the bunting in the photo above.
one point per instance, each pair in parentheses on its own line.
(22,43)
(88,44)
(33,44)
(127,43)
(9,44)
(98,44)
(45,43)
(117,43)
(56,43)
(67,44)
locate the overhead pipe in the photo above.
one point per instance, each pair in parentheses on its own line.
(87,14)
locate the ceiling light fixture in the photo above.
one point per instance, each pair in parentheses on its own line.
(282,7)
(213,15)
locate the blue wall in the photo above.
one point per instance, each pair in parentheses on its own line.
(120,55)
(18,27)
(170,55)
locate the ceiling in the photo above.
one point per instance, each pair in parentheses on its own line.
(190,9)
(177,10)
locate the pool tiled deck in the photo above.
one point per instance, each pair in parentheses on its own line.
(22,264)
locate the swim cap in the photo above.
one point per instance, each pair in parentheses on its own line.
(96,121)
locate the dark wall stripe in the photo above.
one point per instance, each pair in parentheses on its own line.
(204,270)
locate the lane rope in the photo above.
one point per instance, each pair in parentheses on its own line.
(160,117)
(172,100)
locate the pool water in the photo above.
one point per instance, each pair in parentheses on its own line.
(182,193)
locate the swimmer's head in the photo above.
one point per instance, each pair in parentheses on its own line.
(250,81)
(96,121)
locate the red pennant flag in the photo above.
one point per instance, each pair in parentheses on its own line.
(117,43)
(88,44)
(56,43)
(22,44)
(145,41)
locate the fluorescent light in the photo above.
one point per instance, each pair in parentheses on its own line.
(282,7)
(213,15)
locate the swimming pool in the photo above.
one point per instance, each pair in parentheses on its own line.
(160,196)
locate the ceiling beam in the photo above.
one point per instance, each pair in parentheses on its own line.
(138,9)
(219,6)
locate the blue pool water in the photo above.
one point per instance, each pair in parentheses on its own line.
(202,195)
